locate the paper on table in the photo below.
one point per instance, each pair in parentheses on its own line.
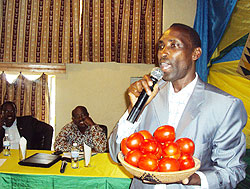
(22,148)
(2,161)
(87,154)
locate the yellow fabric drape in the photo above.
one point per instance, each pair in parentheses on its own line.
(225,77)
(30,97)
(40,31)
(120,31)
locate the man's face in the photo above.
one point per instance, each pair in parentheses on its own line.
(9,114)
(78,117)
(175,55)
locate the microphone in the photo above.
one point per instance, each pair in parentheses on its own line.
(156,75)
(63,166)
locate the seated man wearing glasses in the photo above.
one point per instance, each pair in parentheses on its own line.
(82,129)
(37,133)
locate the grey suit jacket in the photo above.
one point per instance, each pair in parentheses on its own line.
(214,120)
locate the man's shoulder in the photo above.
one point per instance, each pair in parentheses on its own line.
(103,127)
(215,94)
(25,118)
(213,90)
(30,120)
(69,126)
(25,121)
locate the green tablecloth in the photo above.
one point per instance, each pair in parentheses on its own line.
(246,182)
(8,181)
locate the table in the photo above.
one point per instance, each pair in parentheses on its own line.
(103,173)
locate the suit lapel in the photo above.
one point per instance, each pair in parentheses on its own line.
(192,108)
(156,113)
(19,127)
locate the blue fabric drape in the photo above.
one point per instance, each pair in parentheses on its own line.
(212,17)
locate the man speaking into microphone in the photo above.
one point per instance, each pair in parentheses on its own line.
(210,117)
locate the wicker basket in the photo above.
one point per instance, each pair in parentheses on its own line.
(159,177)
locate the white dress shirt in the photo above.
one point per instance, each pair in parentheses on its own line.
(14,135)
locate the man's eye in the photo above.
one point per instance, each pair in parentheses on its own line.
(161,46)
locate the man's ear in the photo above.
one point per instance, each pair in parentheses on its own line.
(196,53)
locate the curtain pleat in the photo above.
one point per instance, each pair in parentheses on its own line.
(3,17)
(21,31)
(30,97)
(76,22)
(45,33)
(3,86)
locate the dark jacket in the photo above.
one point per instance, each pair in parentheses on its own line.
(37,133)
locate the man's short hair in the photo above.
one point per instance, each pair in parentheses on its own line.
(10,103)
(85,111)
(193,35)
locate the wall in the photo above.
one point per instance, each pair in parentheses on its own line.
(178,11)
(101,87)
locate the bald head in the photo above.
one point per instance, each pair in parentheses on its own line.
(81,109)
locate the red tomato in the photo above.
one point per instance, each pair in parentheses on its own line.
(159,151)
(164,133)
(148,146)
(146,134)
(168,164)
(185,156)
(186,145)
(133,157)
(134,141)
(171,150)
(186,162)
(148,162)
(124,148)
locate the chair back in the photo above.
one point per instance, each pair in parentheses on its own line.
(105,130)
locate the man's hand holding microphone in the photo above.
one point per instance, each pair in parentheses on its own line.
(142,92)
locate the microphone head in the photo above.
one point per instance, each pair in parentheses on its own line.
(157,73)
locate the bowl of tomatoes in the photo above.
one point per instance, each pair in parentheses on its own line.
(158,158)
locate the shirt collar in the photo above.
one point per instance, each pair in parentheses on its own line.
(188,89)
(13,124)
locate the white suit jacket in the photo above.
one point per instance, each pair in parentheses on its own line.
(214,120)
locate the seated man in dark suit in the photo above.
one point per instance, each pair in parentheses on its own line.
(37,133)
(82,130)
